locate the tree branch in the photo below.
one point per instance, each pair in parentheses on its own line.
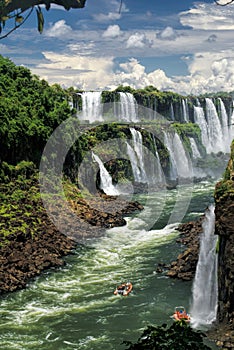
(12,5)
(17,26)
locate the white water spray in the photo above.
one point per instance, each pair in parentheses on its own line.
(195,150)
(91,106)
(128,107)
(106,180)
(215,132)
(205,290)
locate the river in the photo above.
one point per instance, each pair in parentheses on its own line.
(74,307)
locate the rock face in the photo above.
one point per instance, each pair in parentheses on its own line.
(224,227)
(24,255)
(185,265)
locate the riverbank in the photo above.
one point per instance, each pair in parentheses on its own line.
(30,243)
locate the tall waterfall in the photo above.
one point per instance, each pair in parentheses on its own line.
(158,172)
(128,107)
(215,131)
(225,126)
(134,163)
(179,159)
(172,112)
(199,117)
(91,106)
(185,110)
(135,154)
(205,289)
(106,180)
(195,150)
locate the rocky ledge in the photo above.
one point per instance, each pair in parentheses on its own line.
(25,254)
(184,267)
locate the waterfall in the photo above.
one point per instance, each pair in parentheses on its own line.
(172,112)
(185,110)
(199,117)
(215,132)
(134,163)
(173,168)
(135,154)
(195,150)
(91,106)
(205,290)
(138,148)
(128,107)
(179,159)
(225,126)
(106,180)
(158,172)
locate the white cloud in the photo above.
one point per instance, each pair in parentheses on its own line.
(113,31)
(111,16)
(167,34)
(59,29)
(208,72)
(136,40)
(74,70)
(208,17)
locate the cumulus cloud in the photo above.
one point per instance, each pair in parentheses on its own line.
(136,40)
(113,31)
(167,34)
(133,73)
(208,17)
(86,72)
(207,72)
(59,29)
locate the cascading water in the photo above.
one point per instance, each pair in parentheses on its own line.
(215,132)
(185,110)
(195,150)
(106,180)
(139,159)
(91,106)
(173,168)
(128,107)
(158,172)
(179,158)
(205,290)
(199,117)
(172,112)
(225,126)
(134,163)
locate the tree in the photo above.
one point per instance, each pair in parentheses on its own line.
(177,336)
(19,11)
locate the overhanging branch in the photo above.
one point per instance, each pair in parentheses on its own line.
(13,5)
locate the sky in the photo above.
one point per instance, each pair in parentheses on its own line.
(177,45)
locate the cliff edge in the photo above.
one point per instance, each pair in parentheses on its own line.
(224,228)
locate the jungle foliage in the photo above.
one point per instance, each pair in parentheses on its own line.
(177,336)
(30,110)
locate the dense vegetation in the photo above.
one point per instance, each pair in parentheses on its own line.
(30,110)
(177,336)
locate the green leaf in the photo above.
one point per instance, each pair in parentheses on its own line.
(40,20)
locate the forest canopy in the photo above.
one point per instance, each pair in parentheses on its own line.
(30,109)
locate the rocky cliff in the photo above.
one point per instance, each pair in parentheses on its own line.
(224,226)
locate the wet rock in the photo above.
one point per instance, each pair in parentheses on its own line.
(184,267)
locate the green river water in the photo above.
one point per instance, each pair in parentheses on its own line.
(74,307)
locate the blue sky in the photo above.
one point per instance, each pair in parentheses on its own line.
(177,45)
